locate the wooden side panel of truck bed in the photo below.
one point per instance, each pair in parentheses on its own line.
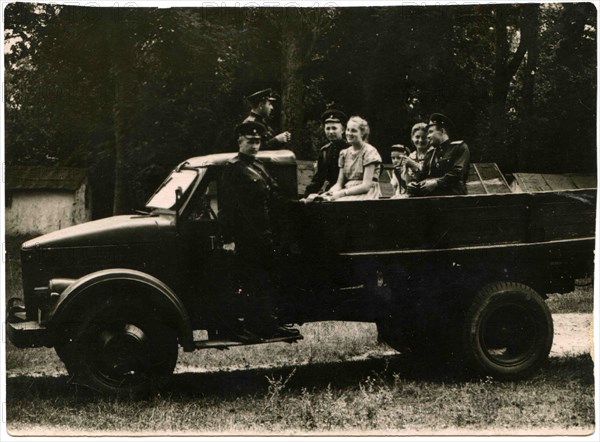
(438,223)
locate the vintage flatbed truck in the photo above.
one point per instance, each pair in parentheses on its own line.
(443,277)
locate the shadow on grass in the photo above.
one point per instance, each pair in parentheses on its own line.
(313,377)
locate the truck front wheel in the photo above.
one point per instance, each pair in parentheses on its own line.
(121,348)
(508,331)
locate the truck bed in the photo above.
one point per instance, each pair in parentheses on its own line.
(450,222)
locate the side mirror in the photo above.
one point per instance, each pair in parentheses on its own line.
(178,196)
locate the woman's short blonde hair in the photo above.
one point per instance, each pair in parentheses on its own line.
(363,126)
(418,126)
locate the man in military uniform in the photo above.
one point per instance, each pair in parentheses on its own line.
(445,168)
(248,198)
(262,107)
(327,168)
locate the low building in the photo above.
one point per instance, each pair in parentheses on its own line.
(39,199)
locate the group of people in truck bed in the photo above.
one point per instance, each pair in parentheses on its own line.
(348,168)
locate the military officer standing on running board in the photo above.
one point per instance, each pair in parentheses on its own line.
(249,208)
(262,107)
(445,168)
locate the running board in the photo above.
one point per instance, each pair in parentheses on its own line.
(225,344)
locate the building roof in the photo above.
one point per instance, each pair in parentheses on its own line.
(47,178)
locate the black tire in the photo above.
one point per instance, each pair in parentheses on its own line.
(120,348)
(508,331)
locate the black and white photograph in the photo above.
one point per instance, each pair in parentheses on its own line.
(302,219)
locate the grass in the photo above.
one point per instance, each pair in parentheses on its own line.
(580,300)
(337,380)
(386,395)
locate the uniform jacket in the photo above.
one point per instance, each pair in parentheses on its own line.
(449,164)
(249,195)
(327,169)
(269,139)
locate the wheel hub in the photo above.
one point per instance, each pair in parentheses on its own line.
(122,353)
(508,335)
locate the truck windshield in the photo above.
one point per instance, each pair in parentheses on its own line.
(164,197)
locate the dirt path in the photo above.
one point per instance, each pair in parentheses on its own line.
(573,334)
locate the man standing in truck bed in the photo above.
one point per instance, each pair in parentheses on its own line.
(262,107)
(249,196)
(327,168)
(445,168)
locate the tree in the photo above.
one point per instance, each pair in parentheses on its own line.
(507,62)
(300,31)
(131,92)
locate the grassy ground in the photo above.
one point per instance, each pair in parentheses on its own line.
(337,380)
(384,395)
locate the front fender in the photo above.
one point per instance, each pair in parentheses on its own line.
(69,301)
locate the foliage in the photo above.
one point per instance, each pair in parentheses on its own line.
(130,92)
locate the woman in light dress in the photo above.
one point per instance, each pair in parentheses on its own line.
(360,165)
(406,166)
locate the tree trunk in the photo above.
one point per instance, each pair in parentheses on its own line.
(501,79)
(121,199)
(122,59)
(506,66)
(531,24)
(292,100)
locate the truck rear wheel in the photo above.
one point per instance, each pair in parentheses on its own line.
(120,348)
(508,331)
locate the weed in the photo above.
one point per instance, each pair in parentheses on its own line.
(276,387)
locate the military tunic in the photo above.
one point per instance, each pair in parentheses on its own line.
(248,197)
(269,139)
(327,169)
(449,164)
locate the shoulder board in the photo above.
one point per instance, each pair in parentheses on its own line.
(457,142)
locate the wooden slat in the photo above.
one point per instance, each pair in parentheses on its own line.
(493,180)
(559,182)
(584,181)
(531,182)
(535,182)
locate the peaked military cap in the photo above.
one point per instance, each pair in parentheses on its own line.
(334,116)
(400,148)
(265,94)
(250,129)
(440,120)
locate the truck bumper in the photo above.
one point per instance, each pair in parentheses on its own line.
(21,332)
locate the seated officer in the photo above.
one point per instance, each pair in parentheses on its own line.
(262,107)
(327,168)
(445,168)
(248,199)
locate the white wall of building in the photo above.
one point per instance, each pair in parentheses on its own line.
(43,211)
